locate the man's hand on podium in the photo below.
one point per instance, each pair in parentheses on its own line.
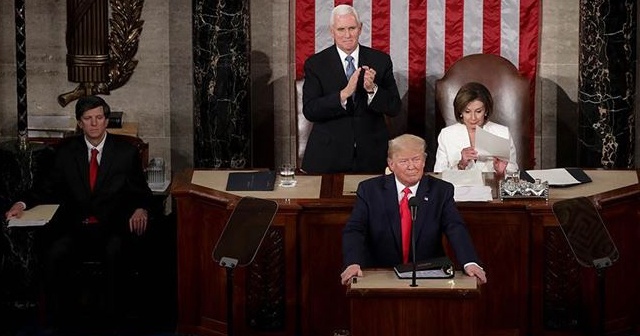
(349,273)
(476,271)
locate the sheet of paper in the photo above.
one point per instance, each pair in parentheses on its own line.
(472,194)
(37,216)
(461,178)
(491,145)
(556,176)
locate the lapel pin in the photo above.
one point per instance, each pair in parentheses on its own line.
(426,198)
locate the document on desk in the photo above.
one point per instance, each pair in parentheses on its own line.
(463,178)
(491,145)
(39,215)
(560,177)
(468,185)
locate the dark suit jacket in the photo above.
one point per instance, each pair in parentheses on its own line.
(355,139)
(120,188)
(372,236)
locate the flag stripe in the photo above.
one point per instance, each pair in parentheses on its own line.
(491,27)
(453,31)
(399,46)
(305,33)
(417,63)
(363,7)
(510,30)
(381,19)
(472,27)
(435,39)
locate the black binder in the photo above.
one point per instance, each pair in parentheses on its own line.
(435,268)
(577,173)
(251,181)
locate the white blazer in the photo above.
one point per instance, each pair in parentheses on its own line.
(454,138)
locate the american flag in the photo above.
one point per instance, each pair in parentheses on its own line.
(425,37)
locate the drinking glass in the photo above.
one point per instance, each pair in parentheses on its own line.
(287,175)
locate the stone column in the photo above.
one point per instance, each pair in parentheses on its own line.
(221,47)
(21,73)
(607,66)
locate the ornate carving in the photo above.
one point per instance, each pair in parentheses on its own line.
(562,301)
(265,284)
(124,38)
(101,63)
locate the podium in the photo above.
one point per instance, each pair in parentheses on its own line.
(382,305)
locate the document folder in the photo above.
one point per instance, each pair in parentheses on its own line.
(435,268)
(577,176)
(251,181)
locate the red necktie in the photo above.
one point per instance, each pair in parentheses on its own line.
(93,167)
(405,221)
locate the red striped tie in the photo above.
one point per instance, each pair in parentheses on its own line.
(405,221)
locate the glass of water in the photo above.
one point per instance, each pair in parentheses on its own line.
(287,175)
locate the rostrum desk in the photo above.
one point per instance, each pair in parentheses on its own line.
(293,287)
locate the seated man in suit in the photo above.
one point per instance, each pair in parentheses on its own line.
(98,181)
(348,89)
(378,232)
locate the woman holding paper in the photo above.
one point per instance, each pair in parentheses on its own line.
(473,106)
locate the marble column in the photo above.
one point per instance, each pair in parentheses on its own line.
(20,171)
(222,125)
(606,126)
(21,71)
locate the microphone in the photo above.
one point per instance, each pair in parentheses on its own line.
(413,206)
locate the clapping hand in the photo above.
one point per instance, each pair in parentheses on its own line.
(369,78)
(351,87)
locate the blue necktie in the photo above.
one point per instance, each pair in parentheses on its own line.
(350,67)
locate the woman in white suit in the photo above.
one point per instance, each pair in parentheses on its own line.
(473,106)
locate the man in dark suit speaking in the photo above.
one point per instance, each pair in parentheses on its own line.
(98,181)
(377,235)
(348,89)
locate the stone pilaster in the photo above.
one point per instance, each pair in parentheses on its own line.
(606,97)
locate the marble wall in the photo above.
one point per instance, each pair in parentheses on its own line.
(160,94)
(145,99)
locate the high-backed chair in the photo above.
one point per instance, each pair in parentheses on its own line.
(511,97)
(303,126)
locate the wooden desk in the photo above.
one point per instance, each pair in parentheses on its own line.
(381,304)
(293,288)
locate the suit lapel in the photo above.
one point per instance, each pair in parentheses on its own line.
(336,67)
(363,59)
(392,209)
(106,160)
(81,163)
(423,195)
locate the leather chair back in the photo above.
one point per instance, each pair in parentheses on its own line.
(510,92)
(303,126)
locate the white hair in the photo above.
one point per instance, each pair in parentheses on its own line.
(343,10)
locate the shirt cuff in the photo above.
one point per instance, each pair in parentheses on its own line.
(471,263)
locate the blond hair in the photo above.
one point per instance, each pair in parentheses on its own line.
(405,141)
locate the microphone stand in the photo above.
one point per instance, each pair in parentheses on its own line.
(413,206)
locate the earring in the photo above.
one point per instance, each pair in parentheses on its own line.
(485,115)
(461,116)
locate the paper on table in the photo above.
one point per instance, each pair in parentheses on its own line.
(556,176)
(491,145)
(37,216)
(472,194)
(460,178)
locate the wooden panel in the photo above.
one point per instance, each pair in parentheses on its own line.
(534,286)
(324,307)
(501,237)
